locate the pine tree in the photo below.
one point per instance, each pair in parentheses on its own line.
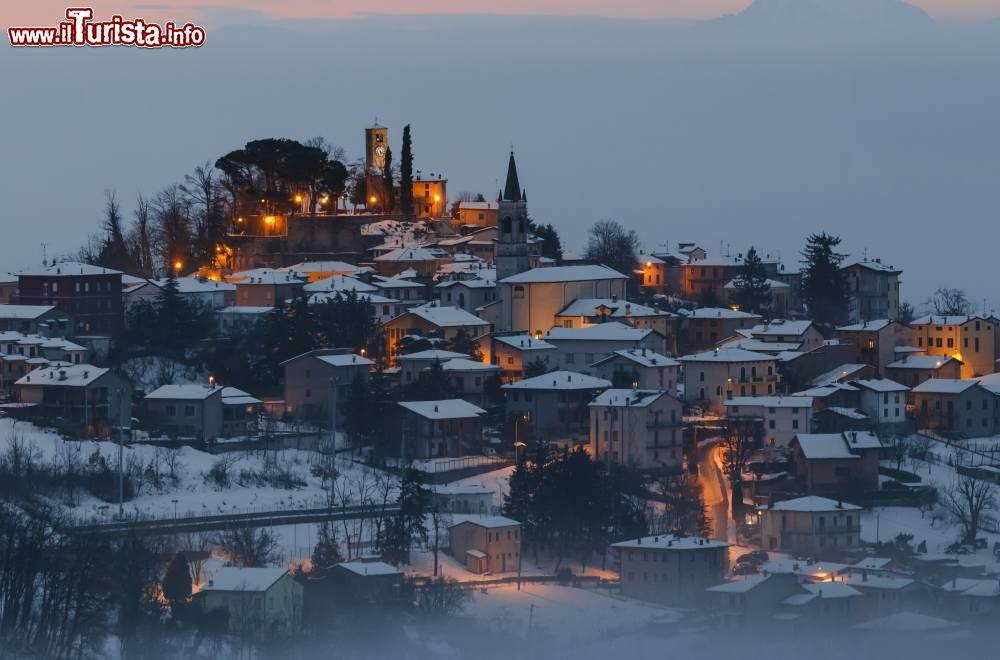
(753,292)
(406,174)
(177,582)
(824,285)
(326,554)
(409,525)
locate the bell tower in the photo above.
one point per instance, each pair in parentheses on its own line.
(376,144)
(512,226)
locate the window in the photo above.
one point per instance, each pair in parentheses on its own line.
(189,411)
(171,411)
(795,424)
(770,424)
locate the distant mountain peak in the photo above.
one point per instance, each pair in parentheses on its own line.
(827,15)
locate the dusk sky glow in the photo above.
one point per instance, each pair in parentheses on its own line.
(43,12)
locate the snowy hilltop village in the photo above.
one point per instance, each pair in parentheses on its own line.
(295,403)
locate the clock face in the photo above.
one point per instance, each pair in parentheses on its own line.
(380,151)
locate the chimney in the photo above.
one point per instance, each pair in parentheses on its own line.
(639,540)
(435,408)
(62,374)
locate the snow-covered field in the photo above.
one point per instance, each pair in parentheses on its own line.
(185,487)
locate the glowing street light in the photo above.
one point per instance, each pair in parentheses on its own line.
(177,266)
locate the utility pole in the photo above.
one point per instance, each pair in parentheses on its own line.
(333,415)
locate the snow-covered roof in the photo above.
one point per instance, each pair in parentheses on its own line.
(626,398)
(341,283)
(446,317)
(616,308)
(560,380)
(938,319)
(771,401)
(76,375)
(233,578)
(813,504)
(444,409)
(866,326)
(524,342)
(780,327)
(465,364)
(410,254)
(850,413)
(488,521)
(359,567)
(822,591)
(345,360)
(193,285)
(472,283)
(872,264)
(834,375)
(430,356)
(735,284)
(266,276)
(555,274)
(944,386)
(643,357)
(232,396)
(190,392)
(717,313)
(727,355)
(244,309)
(670,542)
(759,345)
(69,269)
(610,331)
(922,362)
(478,206)
(824,446)
(869,580)
(879,385)
(24,311)
(741,586)
(394,283)
(325,267)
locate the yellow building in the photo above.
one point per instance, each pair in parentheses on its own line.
(971,339)
(430,198)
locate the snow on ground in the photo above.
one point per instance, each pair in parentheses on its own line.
(569,615)
(192,494)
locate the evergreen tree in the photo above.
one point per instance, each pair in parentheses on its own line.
(406,174)
(326,554)
(360,412)
(551,244)
(114,252)
(536,367)
(753,292)
(408,526)
(464,343)
(177,582)
(824,285)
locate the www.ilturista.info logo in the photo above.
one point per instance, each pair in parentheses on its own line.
(80,30)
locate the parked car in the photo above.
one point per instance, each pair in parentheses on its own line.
(746,569)
(756,558)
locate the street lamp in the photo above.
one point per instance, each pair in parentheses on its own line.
(175,508)
(177,267)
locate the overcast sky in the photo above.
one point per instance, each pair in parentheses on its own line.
(731,132)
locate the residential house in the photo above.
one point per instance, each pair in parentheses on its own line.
(875,342)
(486,544)
(264,287)
(36,320)
(423,260)
(513,353)
(195,291)
(642,429)
(972,598)
(449,428)
(580,348)
(707,277)
(239,413)
(837,464)
(530,301)
(589,311)
(470,379)
(669,568)
(779,304)
(873,291)
(802,333)
(811,526)
(886,592)
(185,411)
(314,271)
(365,580)
(882,400)
(783,417)
(712,377)
(912,370)
(971,339)
(235,321)
(8,288)
(478,214)
(91,295)
(705,327)
(254,598)
(641,369)
(468,294)
(431,320)
(554,405)
(963,407)
(78,398)
(412,365)
(462,498)
(314,378)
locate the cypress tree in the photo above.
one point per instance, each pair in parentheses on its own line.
(406,174)
(390,192)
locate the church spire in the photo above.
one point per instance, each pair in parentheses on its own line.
(512,189)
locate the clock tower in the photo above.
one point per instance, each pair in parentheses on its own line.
(376,143)
(512,226)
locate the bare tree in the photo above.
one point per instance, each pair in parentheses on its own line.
(249,546)
(141,238)
(439,523)
(609,243)
(967,501)
(743,437)
(949,302)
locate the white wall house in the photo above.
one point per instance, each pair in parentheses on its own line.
(530,301)
(784,416)
(883,400)
(712,377)
(640,428)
